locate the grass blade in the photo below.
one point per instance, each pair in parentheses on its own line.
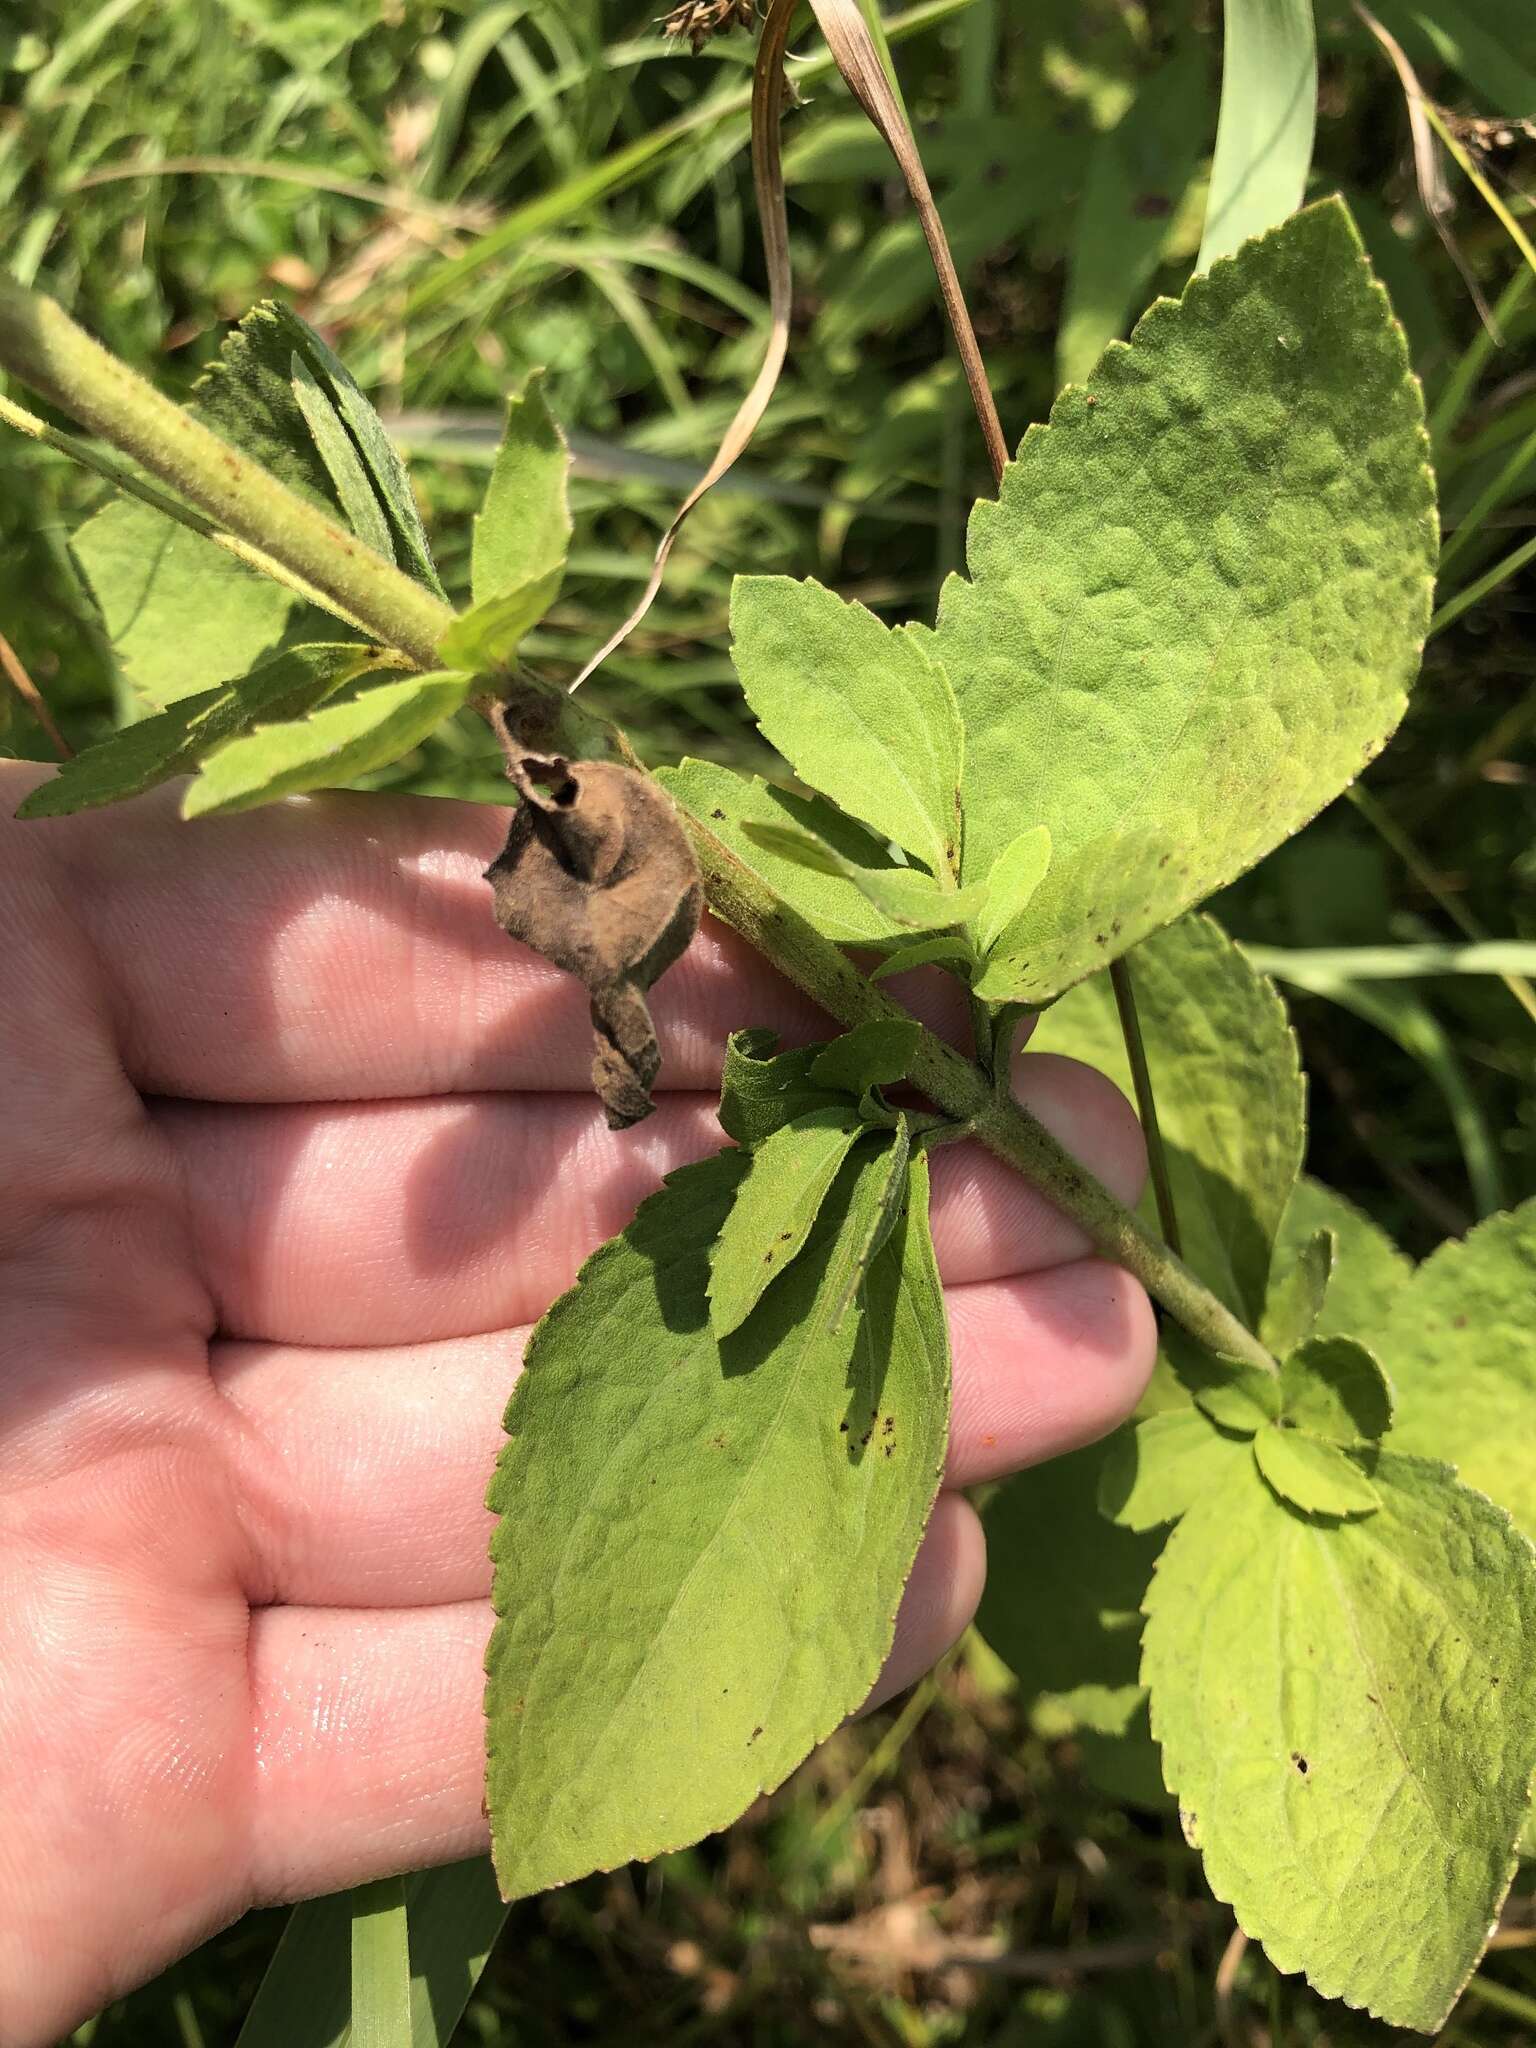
(381,1966)
(1264,131)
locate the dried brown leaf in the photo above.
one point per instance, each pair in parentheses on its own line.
(597,875)
(769,89)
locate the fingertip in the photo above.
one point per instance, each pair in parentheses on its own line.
(941,1598)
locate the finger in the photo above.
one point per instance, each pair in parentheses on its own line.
(401,1222)
(362,1474)
(370,1736)
(342,948)
(941,1596)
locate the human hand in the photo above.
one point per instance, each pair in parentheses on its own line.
(295,1147)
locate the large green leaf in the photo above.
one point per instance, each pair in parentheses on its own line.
(1268,114)
(664,1652)
(1230,1097)
(333,746)
(1347,1712)
(1460,1344)
(1195,608)
(381,1966)
(1137,174)
(172,742)
(860,712)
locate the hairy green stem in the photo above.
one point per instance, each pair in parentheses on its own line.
(40,344)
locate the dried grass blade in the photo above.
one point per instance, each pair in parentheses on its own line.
(768,91)
(857,58)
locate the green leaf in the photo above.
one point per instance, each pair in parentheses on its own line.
(1070,1634)
(1268,114)
(1462,1343)
(873,1055)
(1296,1294)
(181,614)
(343,464)
(454,1915)
(1238,1396)
(523,528)
(1225,539)
(874,1214)
(1154,1470)
(1137,174)
(1488,42)
(489,634)
(381,1966)
(1334,1388)
(762,1090)
(1317,1477)
(1369,1272)
(790,1176)
(727,803)
(172,742)
(663,1654)
(1016,874)
(1347,1712)
(860,711)
(1230,1098)
(333,746)
(904,895)
(391,482)
(952,952)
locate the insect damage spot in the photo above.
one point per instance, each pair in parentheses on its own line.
(598,876)
(1302,1766)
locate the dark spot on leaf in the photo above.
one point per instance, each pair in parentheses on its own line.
(717,813)
(1301,1763)
(1152,206)
(753,1736)
(843,1427)
(1458,1322)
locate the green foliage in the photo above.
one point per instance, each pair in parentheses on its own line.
(788,1178)
(1347,1714)
(905,896)
(762,1090)
(1156,1471)
(1367,1272)
(175,740)
(729,804)
(523,529)
(860,712)
(331,747)
(1137,175)
(641,1696)
(1070,1633)
(1313,1475)
(1226,536)
(1230,1097)
(381,1966)
(1297,1292)
(1268,114)
(1461,1345)
(1334,1388)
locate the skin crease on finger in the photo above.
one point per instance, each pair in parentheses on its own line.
(168,1756)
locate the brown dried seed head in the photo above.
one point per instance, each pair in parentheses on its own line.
(597,875)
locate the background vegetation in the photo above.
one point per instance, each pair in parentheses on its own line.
(457,193)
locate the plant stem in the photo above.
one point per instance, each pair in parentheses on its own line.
(42,346)
(816,965)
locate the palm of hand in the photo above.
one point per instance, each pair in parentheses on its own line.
(295,1147)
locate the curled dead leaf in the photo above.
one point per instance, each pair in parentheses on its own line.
(597,875)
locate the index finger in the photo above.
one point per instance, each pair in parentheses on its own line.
(341,947)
